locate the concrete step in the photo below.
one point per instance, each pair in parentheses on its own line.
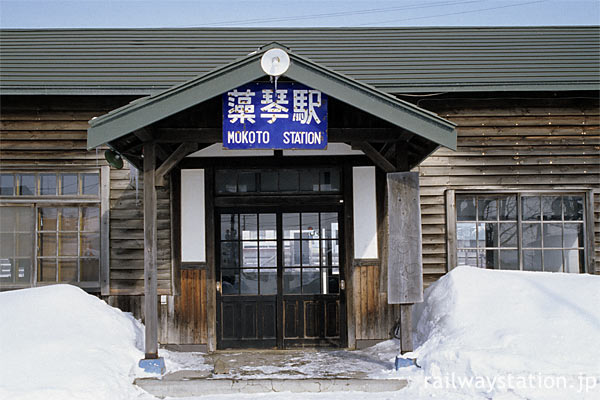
(196,387)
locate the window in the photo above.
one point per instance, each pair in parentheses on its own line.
(267,181)
(50,228)
(523,231)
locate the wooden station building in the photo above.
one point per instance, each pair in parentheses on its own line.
(445,147)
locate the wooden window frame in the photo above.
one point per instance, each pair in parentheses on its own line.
(102,200)
(588,219)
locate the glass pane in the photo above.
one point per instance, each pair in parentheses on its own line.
(531,208)
(230,255)
(23,218)
(67,244)
(6,270)
(333,282)
(48,184)
(90,269)
(249,226)
(249,254)
(47,244)
(532,235)
(47,270)
(532,260)
(574,261)
(90,245)
(24,270)
(68,184)
(268,281)
(7,185)
(573,235)
(467,257)
(249,281)
(26,185)
(310,225)
(311,282)
(329,225)
(48,218)
(330,253)
(573,207)
(230,281)
(465,208)
(67,270)
(552,235)
(509,259)
(7,245)
(226,181)
(291,253)
(267,226)
(291,226)
(508,235)
(466,234)
(289,180)
(90,184)
(229,226)
(8,217)
(480,235)
(330,180)
(268,181)
(508,208)
(247,182)
(310,253)
(268,254)
(291,281)
(491,259)
(69,218)
(551,208)
(24,244)
(553,260)
(90,219)
(309,180)
(488,209)
(491,235)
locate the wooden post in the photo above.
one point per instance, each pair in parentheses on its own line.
(404,255)
(150,273)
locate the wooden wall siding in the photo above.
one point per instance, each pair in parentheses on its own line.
(183,319)
(127,235)
(375,318)
(523,144)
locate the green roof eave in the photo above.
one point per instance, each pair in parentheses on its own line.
(148,110)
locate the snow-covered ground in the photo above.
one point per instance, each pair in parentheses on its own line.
(479,335)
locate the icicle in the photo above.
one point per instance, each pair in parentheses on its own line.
(134,179)
(275,93)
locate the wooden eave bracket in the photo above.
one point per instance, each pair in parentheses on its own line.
(172,160)
(375,156)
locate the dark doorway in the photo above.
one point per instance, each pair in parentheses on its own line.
(280,277)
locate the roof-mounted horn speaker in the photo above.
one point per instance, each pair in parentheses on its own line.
(275,62)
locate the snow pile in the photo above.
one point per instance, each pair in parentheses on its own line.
(58,342)
(511,333)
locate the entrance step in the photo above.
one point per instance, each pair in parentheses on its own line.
(201,386)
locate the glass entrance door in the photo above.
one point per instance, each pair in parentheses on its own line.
(280,279)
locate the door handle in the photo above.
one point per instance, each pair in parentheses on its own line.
(342,285)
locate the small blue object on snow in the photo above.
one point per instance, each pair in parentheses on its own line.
(153,365)
(402,362)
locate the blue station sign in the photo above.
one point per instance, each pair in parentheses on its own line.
(263,115)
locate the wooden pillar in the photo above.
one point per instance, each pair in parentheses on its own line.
(404,255)
(150,272)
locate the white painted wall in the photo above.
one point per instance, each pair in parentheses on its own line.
(193,226)
(365,213)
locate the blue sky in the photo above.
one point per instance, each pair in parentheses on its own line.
(297,13)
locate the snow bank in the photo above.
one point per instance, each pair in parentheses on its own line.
(58,342)
(511,326)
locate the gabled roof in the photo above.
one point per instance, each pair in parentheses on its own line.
(145,111)
(395,60)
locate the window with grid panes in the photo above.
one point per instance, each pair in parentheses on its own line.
(49,228)
(522,231)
